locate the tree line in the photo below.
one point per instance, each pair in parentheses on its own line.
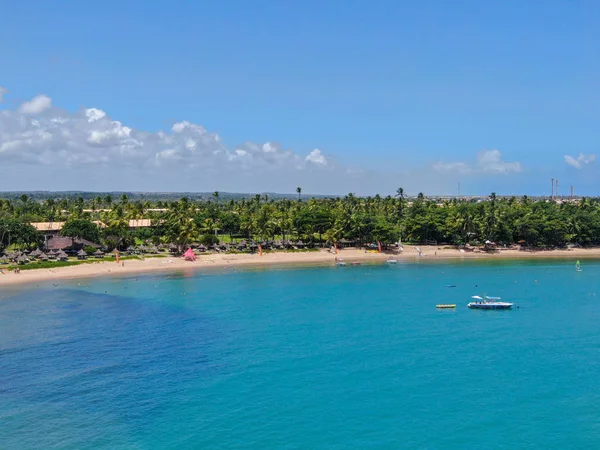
(315,221)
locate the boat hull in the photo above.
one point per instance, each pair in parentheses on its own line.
(490,305)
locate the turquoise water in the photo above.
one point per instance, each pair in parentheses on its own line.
(337,358)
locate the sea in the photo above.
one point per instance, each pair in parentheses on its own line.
(354,357)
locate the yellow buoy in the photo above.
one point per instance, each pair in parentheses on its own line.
(445,306)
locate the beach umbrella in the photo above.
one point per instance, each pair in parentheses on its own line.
(37,252)
(43,257)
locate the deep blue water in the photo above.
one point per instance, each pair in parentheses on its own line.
(337,358)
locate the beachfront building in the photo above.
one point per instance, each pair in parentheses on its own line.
(52,229)
(136,224)
(48,229)
(68,245)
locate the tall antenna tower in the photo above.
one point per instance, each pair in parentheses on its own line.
(556,190)
(552,195)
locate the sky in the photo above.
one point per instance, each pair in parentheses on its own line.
(331,96)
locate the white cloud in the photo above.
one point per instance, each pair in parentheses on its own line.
(91,145)
(458,167)
(488,161)
(580,161)
(3,91)
(36,105)
(316,157)
(94,114)
(269,148)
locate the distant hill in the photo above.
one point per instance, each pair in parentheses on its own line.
(223,196)
(149,196)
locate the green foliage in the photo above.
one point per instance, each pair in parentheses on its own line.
(209,239)
(46,265)
(81,229)
(316,221)
(89,250)
(17,232)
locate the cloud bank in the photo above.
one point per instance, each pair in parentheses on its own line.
(43,147)
(580,161)
(41,138)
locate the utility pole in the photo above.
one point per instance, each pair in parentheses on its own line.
(556,190)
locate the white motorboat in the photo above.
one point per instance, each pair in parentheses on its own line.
(486,302)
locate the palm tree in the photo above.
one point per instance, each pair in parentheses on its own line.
(400,197)
(216,196)
(299,191)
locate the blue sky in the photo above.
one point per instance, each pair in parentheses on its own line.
(390,93)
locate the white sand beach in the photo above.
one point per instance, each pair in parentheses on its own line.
(150,265)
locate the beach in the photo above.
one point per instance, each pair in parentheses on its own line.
(323,257)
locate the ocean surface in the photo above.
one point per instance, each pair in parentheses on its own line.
(305,358)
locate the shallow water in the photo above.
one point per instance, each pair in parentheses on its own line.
(354,357)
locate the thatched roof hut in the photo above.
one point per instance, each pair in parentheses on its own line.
(62,256)
(43,257)
(81,254)
(99,254)
(36,253)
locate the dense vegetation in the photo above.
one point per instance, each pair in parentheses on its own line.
(315,221)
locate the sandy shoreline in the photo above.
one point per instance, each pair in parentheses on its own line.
(151,265)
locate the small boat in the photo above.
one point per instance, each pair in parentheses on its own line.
(486,302)
(445,306)
(391,261)
(578,266)
(450,285)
